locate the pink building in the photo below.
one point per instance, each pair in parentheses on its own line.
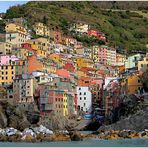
(102,55)
(107,55)
(7,59)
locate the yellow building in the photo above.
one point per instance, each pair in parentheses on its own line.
(12,27)
(95,54)
(55,57)
(5,48)
(80,62)
(41,29)
(65,108)
(83,62)
(40,44)
(7,73)
(143,65)
(41,53)
(134,84)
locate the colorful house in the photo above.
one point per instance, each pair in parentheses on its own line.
(23,88)
(120,59)
(5,48)
(134,84)
(143,64)
(34,64)
(7,74)
(41,29)
(79,27)
(132,61)
(84,99)
(97,34)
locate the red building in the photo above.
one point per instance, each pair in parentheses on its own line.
(97,34)
(69,66)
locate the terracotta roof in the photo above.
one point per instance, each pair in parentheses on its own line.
(63,73)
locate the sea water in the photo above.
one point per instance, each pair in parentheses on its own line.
(140,142)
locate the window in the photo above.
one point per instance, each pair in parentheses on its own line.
(84,93)
(84,104)
(6,67)
(84,98)
(79,88)
(80,93)
(80,98)
(2,72)
(2,67)
(138,81)
(141,65)
(6,78)
(2,78)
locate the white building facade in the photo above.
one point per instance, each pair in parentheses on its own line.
(84,99)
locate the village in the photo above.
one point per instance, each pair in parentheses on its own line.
(59,77)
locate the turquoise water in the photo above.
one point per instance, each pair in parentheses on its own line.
(89,143)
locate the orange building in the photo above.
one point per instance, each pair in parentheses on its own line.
(34,64)
(84,81)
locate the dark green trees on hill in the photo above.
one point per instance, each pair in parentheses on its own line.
(123,28)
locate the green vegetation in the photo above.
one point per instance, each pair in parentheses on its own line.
(126,29)
(2,26)
(89,40)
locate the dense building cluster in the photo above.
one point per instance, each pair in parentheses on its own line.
(60,76)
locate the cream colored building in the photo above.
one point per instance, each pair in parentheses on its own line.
(5,48)
(120,59)
(143,65)
(16,34)
(79,27)
(16,38)
(41,29)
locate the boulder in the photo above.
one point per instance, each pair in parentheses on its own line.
(28,131)
(75,136)
(10,131)
(42,129)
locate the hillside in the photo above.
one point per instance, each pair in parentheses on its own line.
(124,29)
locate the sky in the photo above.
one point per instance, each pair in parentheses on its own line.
(4,5)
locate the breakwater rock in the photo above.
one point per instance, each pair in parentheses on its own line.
(43,134)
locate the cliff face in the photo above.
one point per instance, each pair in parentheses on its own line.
(13,116)
(137,122)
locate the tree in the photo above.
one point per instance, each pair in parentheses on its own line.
(45,20)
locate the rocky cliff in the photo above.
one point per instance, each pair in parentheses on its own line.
(13,116)
(137,122)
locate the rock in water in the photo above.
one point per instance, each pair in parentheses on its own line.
(75,136)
